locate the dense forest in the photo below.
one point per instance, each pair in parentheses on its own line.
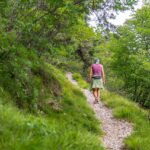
(128,58)
(34,32)
(40,40)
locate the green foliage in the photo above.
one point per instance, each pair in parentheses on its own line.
(14,74)
(33,32)
(80,80)
(78,130)
(126,109)
(35,36)
(126,56)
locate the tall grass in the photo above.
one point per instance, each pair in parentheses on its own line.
(125,109)
(80,80)
(73,127)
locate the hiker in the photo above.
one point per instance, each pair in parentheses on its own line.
(97,79)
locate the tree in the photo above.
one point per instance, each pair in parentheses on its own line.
(131,59)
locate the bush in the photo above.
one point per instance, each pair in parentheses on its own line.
(78,130)
(80,80)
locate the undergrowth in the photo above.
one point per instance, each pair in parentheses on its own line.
(80,80)
(125,109)
(62,121)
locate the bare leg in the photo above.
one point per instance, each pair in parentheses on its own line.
(98,93)
(95,94)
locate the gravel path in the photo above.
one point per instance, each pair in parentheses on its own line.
(115,130)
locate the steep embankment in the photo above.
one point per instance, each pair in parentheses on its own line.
(65,123)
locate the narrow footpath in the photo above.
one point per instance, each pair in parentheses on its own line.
(115,130)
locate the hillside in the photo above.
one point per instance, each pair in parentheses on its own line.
(63,123)
(42,40)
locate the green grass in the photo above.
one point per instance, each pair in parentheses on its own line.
(128,110)
(80,80)
(74,127)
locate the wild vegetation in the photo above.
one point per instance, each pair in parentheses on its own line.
(64,122)
(125,109)
(127,58)
(39,41)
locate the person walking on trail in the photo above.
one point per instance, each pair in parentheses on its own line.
(97,79)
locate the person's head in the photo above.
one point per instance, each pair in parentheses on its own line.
(96,61)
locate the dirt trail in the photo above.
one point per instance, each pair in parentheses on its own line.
(115,130)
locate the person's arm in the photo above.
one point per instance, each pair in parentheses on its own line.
(103,75)
(91,74)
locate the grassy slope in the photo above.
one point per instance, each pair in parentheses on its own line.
(81,82)
(73,127)
(126,109)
